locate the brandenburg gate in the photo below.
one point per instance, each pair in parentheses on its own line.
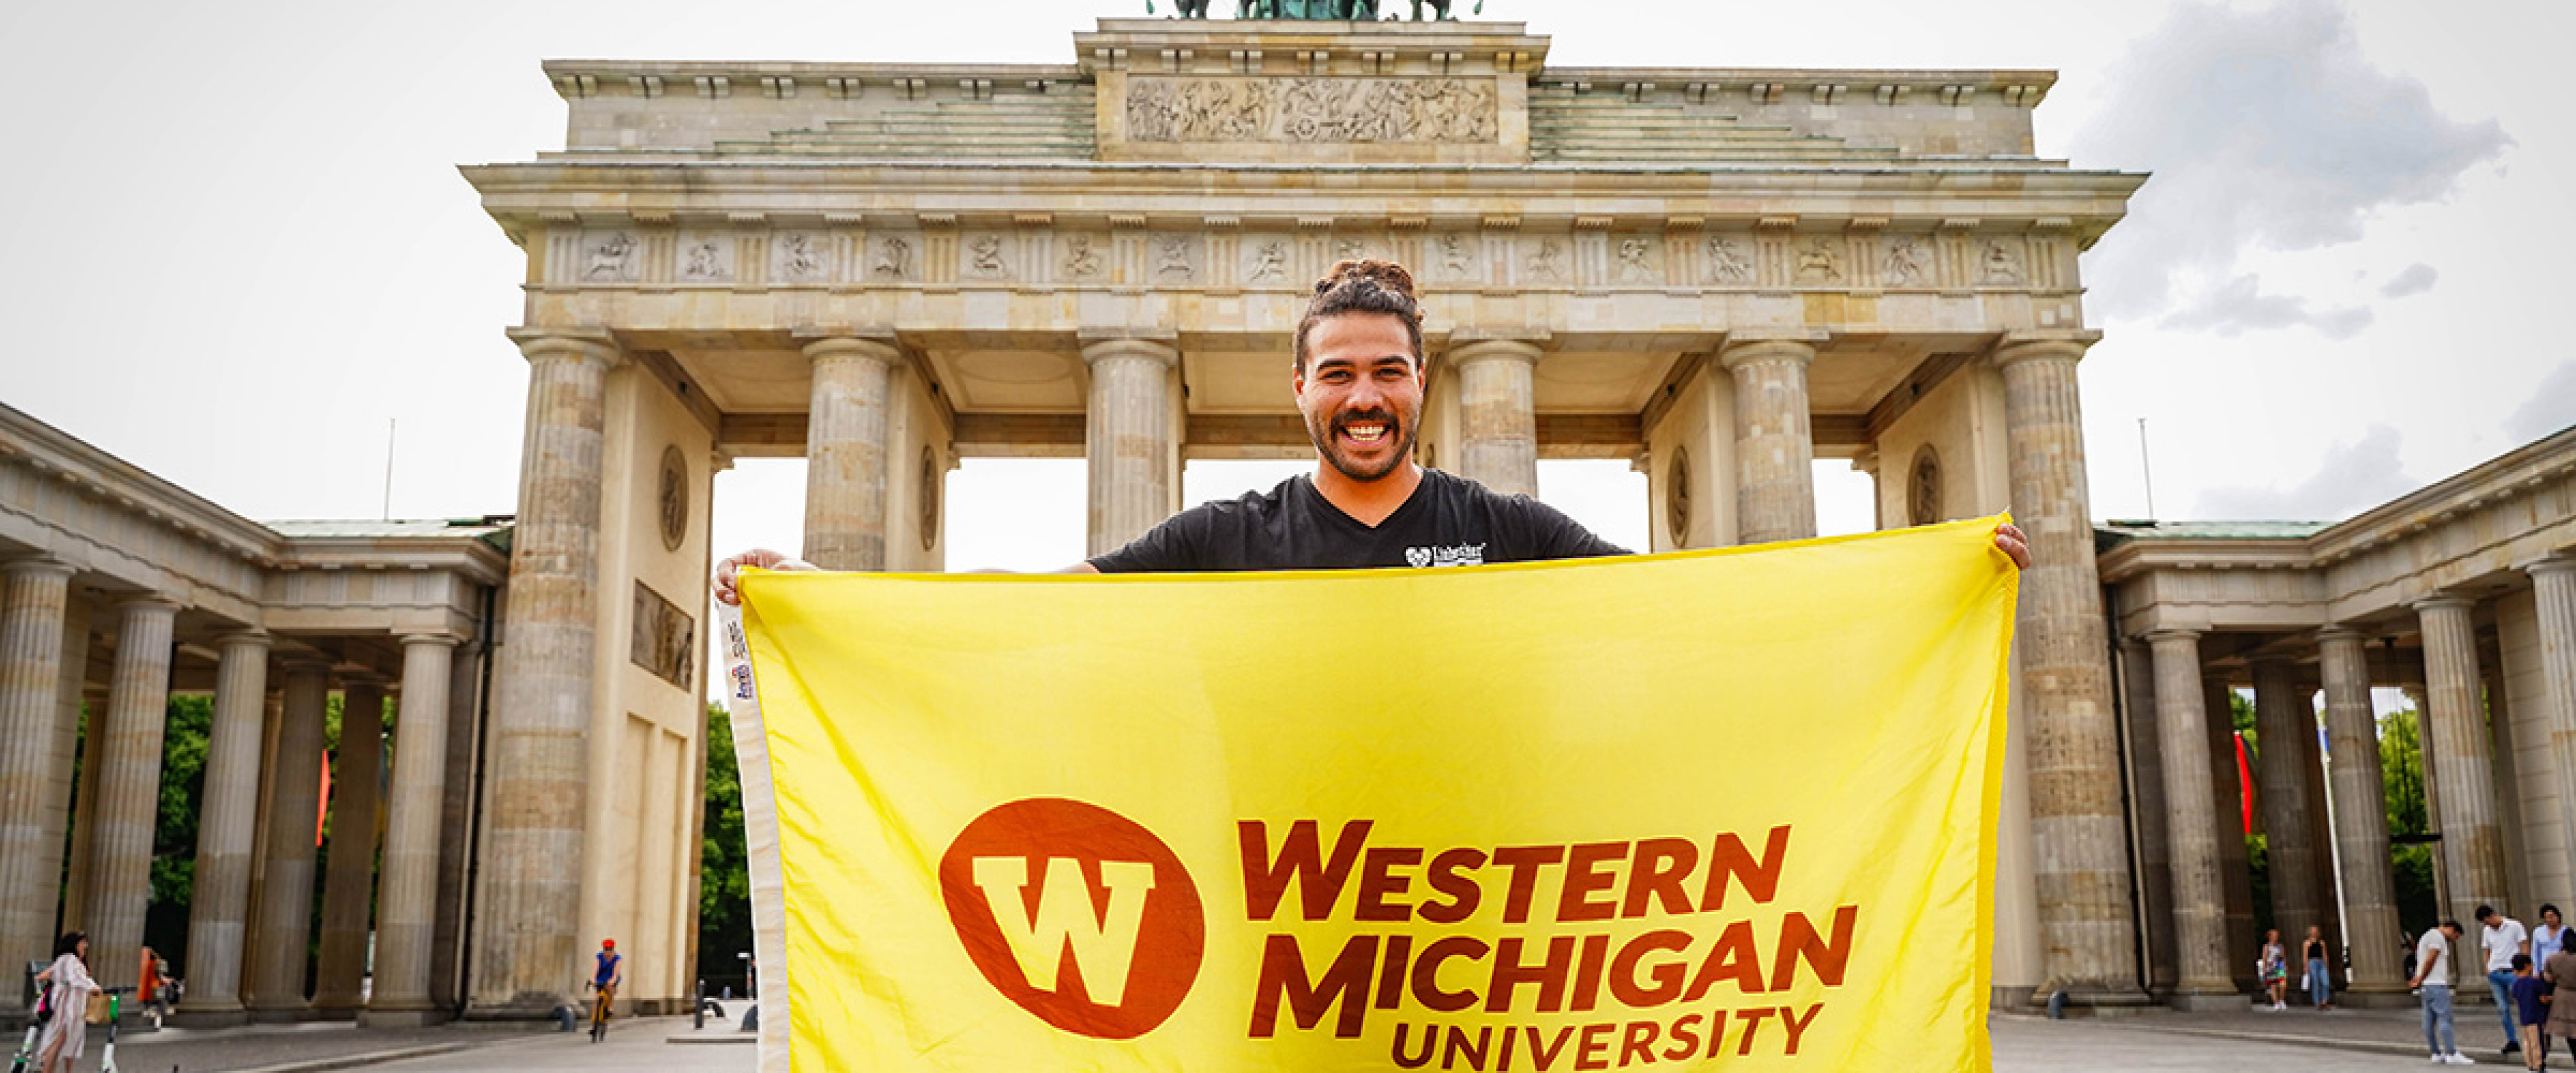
(1720,274)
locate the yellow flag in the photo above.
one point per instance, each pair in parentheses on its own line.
(1719,809)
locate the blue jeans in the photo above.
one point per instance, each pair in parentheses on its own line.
(2437,1019)
(2320,985)
(2500,981)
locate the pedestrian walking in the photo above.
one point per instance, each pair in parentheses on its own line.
(2313,954)
(2432,983)
(68,989)
(2273,967)
(2502,937)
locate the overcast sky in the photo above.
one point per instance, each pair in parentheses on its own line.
(240,245)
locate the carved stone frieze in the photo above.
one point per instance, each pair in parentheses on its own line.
(706,258)
(1638,262)
(987,257)
(1311,110)
(1175,259)
(1456,256)
(1547,261)
(894,258)
(2000,266)
(1730,260)
(1267,262)
(1082,261)
(611,257)
(1908,263)
(1818,263)
(800,257)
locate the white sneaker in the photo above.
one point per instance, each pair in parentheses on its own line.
(2458,1059)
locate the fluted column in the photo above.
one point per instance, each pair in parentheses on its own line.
(2191,846)
(2289,817)
(2147,785)
(531,866)
(2060,643)
(2360,815)
(228,812)
(33,597)
(456,813)
(1128,438)
(276,982)
(846,451)
(1775,450)
(349,882)
(407,910)
(129,789)
(1498,413)
(2553,583)
(2462,761)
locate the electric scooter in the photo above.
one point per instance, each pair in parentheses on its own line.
(107,1057)
(27,1048)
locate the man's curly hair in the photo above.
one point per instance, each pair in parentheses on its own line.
(1363,287)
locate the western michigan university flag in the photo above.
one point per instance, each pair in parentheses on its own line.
(1725,809)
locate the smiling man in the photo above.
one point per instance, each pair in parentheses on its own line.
(1358,380)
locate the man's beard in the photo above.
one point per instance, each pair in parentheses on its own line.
(1325,435)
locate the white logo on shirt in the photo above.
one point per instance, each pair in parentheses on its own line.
(1453,555)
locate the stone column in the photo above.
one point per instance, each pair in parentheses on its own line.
(2148,809)
(2289,817)
(2060,641)
(2553,583)
(531,866)
(32,606)
(2236,870)
(845,452)
(228,811)
(1128,438)
(2199,889)
(129,789)
(1775,453)
(1498,413)
(2473,844)
(2361,818)
(456,820)
(349,882)
(407,910)
(276,981)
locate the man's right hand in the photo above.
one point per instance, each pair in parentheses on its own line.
(762,558)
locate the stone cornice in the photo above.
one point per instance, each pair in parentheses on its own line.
(52,451)
(2515,473)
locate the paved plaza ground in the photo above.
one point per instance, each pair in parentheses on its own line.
(2292,1042)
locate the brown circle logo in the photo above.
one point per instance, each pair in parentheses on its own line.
(1076,913)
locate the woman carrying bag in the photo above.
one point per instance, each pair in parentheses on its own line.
(67,1029)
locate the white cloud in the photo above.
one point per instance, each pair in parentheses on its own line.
(2551,407)
(2266,129)
(2353,477)
(2239,305)
(2416,279)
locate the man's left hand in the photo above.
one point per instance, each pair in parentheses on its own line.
(2008,537)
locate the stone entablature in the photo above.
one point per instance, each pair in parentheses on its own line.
(63,499)
(2458,535)
(1238,92)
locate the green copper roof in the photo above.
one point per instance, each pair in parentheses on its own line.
(493,530)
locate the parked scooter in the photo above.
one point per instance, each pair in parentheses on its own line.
(107,1057)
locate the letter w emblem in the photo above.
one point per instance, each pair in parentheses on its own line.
(1103,944)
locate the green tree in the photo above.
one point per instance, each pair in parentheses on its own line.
(724,872)
(2401,775)
(174,836)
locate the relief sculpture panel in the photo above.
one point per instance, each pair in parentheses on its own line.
(1312,110)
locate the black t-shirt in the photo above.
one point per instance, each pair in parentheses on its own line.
(1448,521)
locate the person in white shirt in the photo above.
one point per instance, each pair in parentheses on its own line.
(2432,981)
(2501,937)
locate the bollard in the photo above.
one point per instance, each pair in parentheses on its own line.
(698,1006)
(751,1018)
(2057,1005)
